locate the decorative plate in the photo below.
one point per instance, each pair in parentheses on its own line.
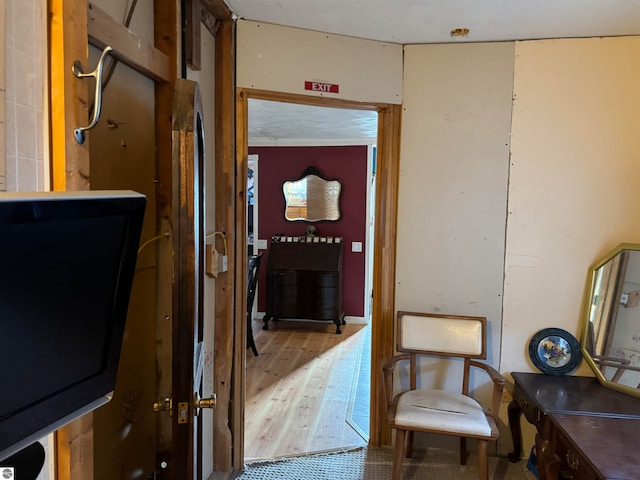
(555,351)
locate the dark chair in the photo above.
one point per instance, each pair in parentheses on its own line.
(252,282)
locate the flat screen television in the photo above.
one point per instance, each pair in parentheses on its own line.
(67,262)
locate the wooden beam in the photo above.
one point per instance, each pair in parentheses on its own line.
(217,8)
(225,308)
(128,47)
(210,22)
(192,14)
(384,266)
(166,38)
(68,95)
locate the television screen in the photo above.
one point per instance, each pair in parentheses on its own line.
(67,262)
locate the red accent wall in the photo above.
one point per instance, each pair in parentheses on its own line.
(347,163)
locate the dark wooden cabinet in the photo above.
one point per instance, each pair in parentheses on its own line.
(585,431)
(304,281)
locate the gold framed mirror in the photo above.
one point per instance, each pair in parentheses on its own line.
(611,319)
(312,198)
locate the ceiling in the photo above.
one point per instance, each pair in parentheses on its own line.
(417,22)
(278,123)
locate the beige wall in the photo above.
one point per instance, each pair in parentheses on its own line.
(573,192)
(453,187)
(281,59)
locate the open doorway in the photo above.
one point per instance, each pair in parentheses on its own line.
(383,305)
(308,390)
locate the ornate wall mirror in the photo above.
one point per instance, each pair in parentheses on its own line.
(611,324)
(312,198)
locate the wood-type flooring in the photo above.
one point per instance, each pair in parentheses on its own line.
(300,389)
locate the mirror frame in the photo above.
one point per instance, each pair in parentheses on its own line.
(308,172)
(586,309)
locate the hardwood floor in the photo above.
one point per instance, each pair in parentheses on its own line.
(300,389)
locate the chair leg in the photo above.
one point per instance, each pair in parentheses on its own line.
(250,342)
(409,452)
(397,454)
(483,461)
(463,451)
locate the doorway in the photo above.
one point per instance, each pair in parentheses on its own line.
(287,388)
(383,254)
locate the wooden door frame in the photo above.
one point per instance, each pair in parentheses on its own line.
(383,312)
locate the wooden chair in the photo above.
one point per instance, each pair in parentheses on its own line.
(440,411)
(252,282)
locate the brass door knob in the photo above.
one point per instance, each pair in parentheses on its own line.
(207,402)
(199,403)
(163,405)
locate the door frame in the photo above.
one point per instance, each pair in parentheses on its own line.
(383,311)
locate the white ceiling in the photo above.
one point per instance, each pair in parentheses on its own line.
(416,22)
(278,123)
(431,21)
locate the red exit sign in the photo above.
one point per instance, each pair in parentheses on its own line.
(322,87)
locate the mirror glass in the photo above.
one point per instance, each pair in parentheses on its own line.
(611,333)
(312,198)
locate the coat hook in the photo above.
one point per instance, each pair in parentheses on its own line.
(78,133)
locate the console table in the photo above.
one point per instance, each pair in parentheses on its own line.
(304,281)
(585,431)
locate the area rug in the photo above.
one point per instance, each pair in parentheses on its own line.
(376,463)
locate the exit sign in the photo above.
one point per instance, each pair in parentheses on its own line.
(321,87)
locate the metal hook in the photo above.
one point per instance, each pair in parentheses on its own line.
(78,133)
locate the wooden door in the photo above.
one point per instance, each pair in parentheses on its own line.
(188,248)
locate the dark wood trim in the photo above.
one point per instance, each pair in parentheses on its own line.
(224,164)
(383,314)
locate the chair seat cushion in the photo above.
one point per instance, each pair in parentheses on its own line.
(439,410)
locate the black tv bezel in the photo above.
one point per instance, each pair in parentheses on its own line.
(31,423)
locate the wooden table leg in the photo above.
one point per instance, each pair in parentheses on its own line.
(514,412)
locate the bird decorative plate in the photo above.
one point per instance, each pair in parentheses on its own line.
(555,351)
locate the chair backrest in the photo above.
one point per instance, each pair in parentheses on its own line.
(444,335)
(252,279)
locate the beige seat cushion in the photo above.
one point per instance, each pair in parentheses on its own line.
(439,410)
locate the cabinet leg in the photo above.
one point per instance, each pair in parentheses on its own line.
(337,322)
(266,322)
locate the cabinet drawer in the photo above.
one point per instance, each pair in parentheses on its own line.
(296,297)
(574,465)
(530,409)
(304,279)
